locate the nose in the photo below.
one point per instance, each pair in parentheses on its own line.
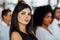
(27,16)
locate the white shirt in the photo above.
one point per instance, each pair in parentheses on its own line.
(54,28)
(43,34)
(4,31)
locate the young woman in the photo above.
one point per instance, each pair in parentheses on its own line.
(21,23)
(43,17)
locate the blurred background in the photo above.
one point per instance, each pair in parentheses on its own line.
(5,4)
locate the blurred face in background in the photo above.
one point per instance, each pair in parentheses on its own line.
(57,14)
(47,19)
(7,17)
(24,16)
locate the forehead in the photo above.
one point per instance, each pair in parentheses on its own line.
(9,13)
(58,9)
(49,13)
(26,10)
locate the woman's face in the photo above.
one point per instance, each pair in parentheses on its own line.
(24,16)
(47,19)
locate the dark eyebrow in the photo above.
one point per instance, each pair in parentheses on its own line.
(25,12)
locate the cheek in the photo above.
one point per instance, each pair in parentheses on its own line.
(20,18)
(8,18)
(47,21)
(29,18)
(57,14)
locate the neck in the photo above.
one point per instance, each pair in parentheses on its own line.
(22,28)
(57,19)
(6,22)
(45,26)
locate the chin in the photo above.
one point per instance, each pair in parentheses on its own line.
(25,23)
(48,24)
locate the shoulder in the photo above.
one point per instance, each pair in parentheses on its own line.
(16,36)
(40,30)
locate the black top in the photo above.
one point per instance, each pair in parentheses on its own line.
(26,37)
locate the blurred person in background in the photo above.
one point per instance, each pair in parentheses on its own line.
(20,2)
(43,17)
(55,26)
(5,24)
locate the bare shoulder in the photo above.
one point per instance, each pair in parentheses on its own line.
(16,36)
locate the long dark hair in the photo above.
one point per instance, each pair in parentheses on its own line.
(39,14)
(14,21)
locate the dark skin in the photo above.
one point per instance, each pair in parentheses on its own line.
(46,21)
(59,25)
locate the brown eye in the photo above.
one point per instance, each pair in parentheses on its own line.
(29,14)
(10,15)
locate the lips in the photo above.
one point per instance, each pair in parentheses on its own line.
(26,20)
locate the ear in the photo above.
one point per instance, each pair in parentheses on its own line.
(4,16)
